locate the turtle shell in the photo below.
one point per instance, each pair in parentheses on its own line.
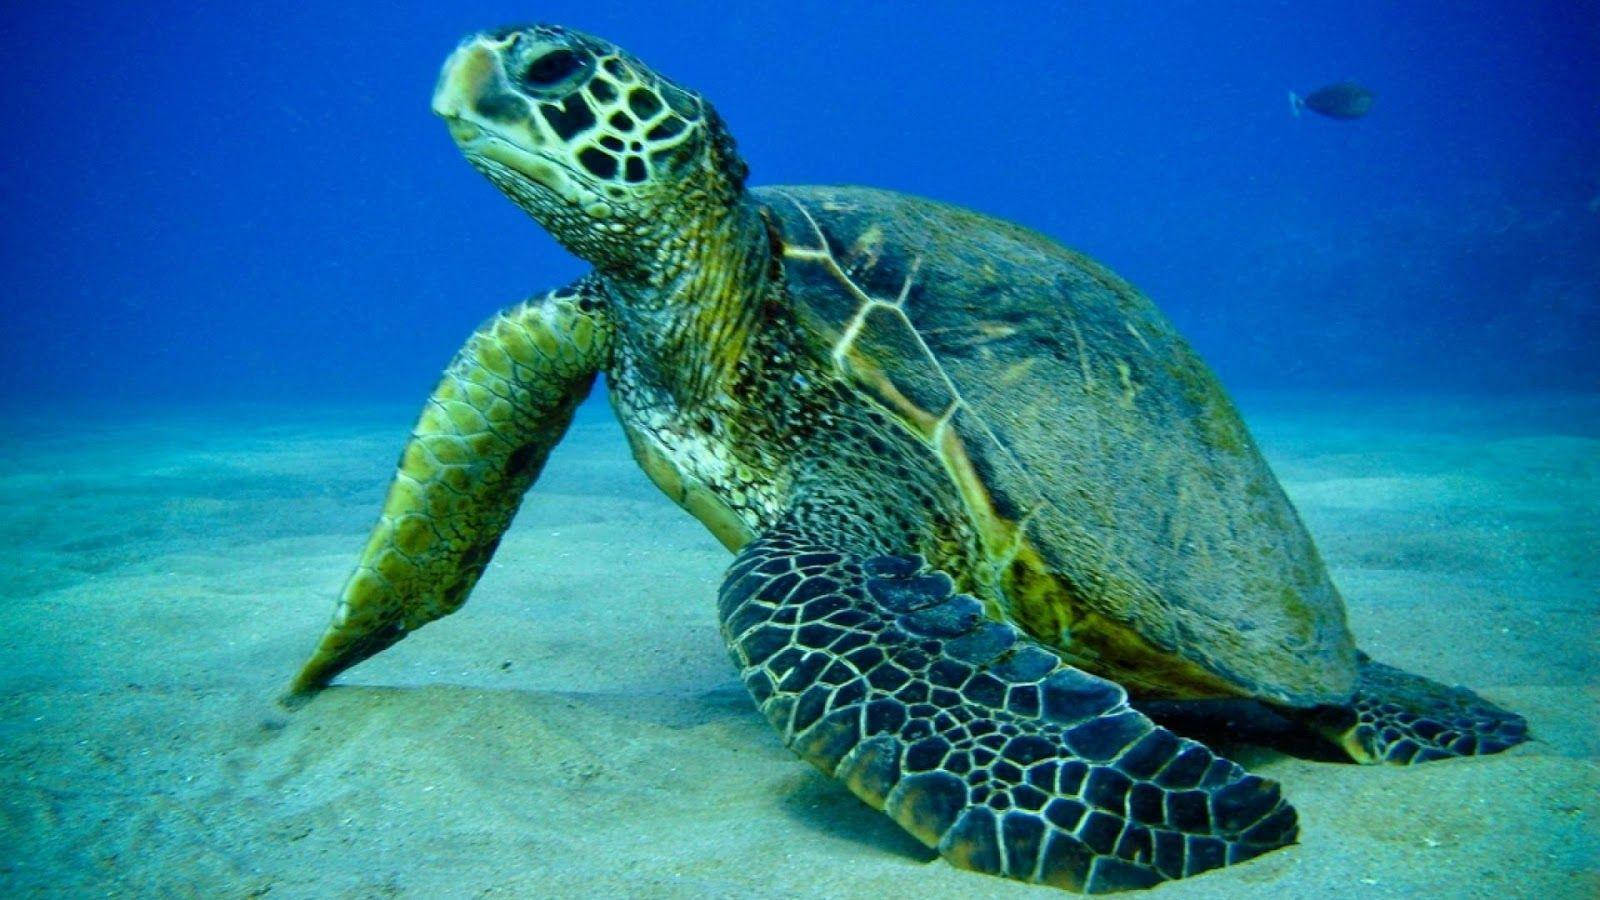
(1124,507)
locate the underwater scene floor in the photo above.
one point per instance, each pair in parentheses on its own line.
(578,730)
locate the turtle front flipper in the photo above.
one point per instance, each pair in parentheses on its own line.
(972,736)
(1401,718)
(481,440)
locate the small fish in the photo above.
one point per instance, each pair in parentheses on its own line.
(1345,100)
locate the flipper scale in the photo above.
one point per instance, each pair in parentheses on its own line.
(479,443)
(974,738)
(1400,718)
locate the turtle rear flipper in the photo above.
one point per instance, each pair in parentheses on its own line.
(1397,717)
(973,737)
(481,440)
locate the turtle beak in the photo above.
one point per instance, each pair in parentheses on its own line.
(471,73)
(489,118)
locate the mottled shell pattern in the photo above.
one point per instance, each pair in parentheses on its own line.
(1092,446)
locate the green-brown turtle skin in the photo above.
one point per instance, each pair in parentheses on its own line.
(977,487)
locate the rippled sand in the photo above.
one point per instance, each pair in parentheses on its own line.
(578,730)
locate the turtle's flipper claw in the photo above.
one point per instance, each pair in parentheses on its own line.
(341,647)
(974,738)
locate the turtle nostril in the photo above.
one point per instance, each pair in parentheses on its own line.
(551,68)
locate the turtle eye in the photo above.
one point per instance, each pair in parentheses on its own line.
(551,68)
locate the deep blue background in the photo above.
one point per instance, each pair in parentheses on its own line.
(256,204)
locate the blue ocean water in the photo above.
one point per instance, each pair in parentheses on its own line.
(210,204)
(238,249)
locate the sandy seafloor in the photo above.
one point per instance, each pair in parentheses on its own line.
(577,730)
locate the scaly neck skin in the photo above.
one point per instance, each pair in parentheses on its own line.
(687,318)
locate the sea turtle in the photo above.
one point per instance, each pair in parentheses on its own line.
(978,489)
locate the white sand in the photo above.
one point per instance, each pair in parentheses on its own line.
(578,729)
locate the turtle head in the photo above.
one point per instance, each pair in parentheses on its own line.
(617,162)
